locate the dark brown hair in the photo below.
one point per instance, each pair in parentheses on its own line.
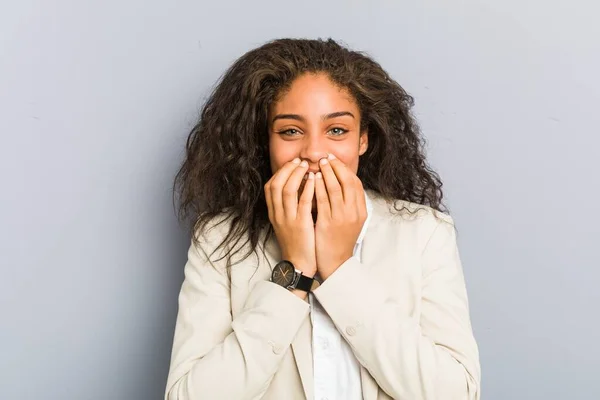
(227,157)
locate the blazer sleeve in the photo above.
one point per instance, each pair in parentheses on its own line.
(430,357)
(217,357)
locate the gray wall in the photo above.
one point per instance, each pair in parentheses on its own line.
(96,101)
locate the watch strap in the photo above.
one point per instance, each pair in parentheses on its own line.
(306,284)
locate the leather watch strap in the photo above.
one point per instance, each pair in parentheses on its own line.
(306,284)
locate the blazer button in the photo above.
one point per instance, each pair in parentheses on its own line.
(350,331)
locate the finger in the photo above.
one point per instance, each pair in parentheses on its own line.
(346,179)
(276,187)
(323,205)
(334,189)
(305,202)
(290,190)
(268,200)
(361,201)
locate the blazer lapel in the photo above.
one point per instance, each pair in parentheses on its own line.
(302,348)
(374,244)
(369,386)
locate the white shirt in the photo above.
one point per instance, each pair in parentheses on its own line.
(336,370)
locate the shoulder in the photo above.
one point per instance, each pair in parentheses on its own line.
(397,209)
(211,238)
(409,219)
(223,241)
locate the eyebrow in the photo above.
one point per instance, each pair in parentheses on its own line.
(302,119)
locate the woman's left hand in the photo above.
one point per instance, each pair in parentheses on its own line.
(341,213)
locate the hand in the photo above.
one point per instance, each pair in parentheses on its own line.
(342,211)
(291,216)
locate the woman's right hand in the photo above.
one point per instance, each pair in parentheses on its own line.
(291,215)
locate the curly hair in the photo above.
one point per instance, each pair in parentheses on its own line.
(227,162)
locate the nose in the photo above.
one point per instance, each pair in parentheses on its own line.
(313,149)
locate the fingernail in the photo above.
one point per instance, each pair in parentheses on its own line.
(331,156)
(324,161)
(296,161)
(304,164)
(311,175)
(319,175)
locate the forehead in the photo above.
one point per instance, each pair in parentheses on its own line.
(314,92)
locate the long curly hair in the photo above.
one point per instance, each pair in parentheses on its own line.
(227,162)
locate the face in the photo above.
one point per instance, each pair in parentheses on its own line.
(313,118)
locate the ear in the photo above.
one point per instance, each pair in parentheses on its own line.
(363,143)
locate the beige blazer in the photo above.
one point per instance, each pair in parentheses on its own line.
(403,310)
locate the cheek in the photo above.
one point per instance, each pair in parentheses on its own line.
(277,155)
(274,164)
(281,152)
(349,157)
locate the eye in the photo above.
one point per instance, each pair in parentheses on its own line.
(289,132)
(337,131)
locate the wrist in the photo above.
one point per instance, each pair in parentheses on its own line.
(294,277)
(307,269)
(330,268)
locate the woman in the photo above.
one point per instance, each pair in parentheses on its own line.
(322,265)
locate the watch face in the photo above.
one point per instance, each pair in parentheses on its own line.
(283,273)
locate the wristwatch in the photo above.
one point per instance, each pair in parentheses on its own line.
(286,275)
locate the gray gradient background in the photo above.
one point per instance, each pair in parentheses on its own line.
(96,100)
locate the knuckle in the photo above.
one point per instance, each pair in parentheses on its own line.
(275,187)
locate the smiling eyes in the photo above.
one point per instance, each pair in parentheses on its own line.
(338,131)
(295,132)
